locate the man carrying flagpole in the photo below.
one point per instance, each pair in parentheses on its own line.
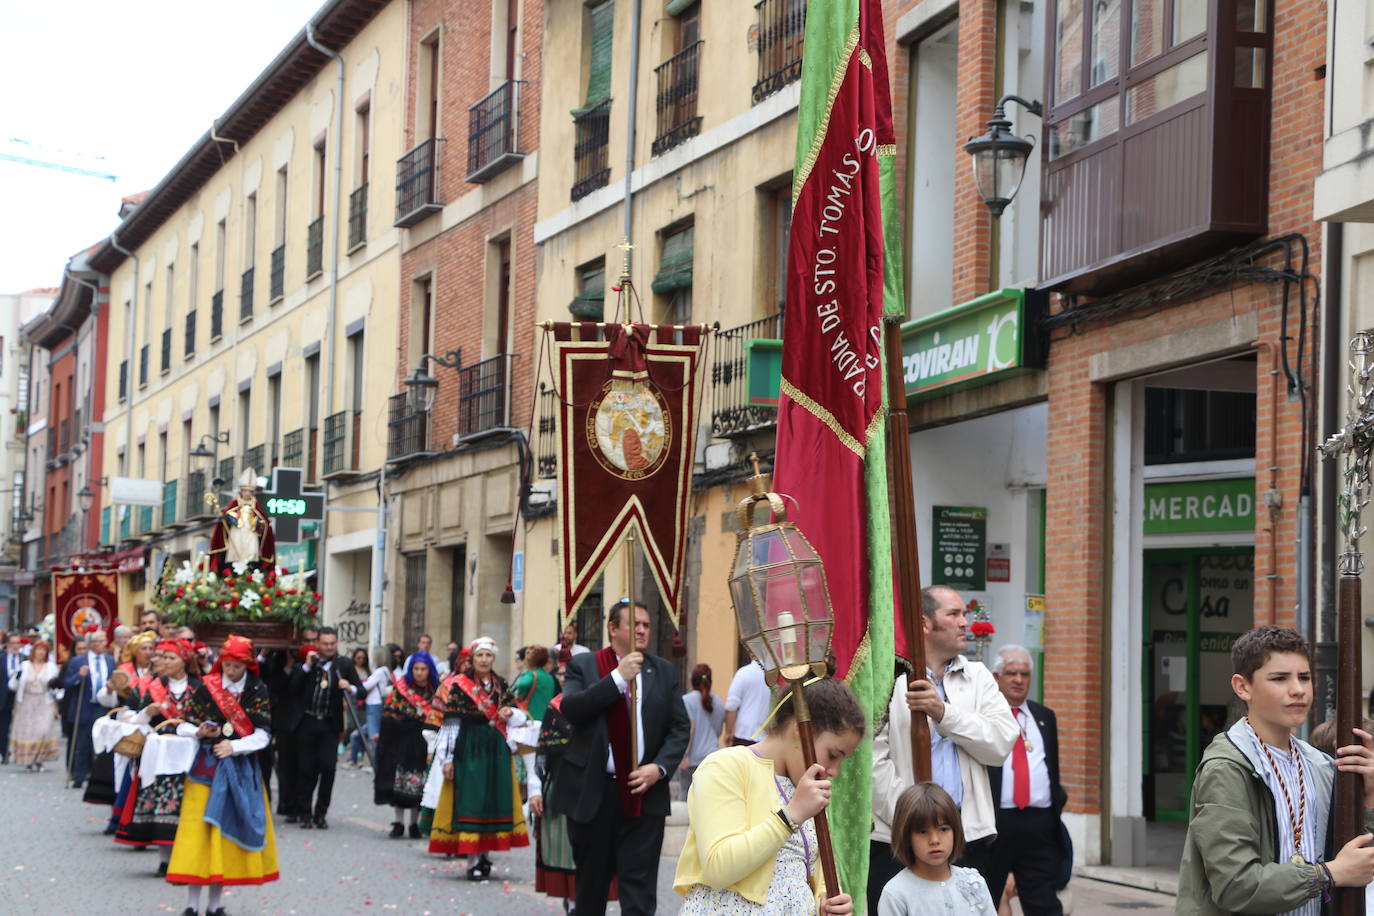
(843,275)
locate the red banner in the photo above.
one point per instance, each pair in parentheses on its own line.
(832,398)
(627,437)
(84,601)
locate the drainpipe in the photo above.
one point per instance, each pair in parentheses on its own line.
(378,564)
(1333,386)
(76,340)
(629,222)
(130,349)
(329,333)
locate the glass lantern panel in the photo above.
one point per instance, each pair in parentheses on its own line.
(743,598)
(812,577)
(743,554)
(758,648)
(800,548)
(818,640)
(780,593)
(788,646)
(766,548)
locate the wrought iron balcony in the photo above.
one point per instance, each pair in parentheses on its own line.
(336,453)
(277,278)
(166,364)
(782,27)
(217,315)
(417,183)
(357,216)
(546,438)
(253,460)
(314,248)
(676,103)
(226,473)
(731,412)
(293,449)
(190,348)
(193,500)
(493,133)
(407,428)
(482,395)
(246,295)
(591,150)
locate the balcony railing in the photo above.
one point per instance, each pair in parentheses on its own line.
(246,295)
(253,460)
(591,150)
(314,248)
(676,104)
(217,315)
(123,379)
(493,137)
(55,454)
(143,353)
(357,216)
(225,473)
(190,348)
(407,428)
(356,442)
(546,439)
(166,363)
(193,502)
(64,436)
(277,278)
(312,455)
(169,503)
(336,452)
(782,26)
(482,390)
(731,412)
(293,449)
(417,183)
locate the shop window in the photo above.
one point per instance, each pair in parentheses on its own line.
(1156,137)
(1186,424)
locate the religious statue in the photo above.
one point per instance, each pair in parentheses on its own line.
(243,533)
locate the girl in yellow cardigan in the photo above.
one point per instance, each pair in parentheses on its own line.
(751,845)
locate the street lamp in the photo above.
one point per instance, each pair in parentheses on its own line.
(424,386)
(86,498)
(999,156)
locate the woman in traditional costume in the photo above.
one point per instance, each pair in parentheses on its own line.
(554,871)
(150,815)
(128,684)
(479,809)
(35,726)
(402,748)
(225,832)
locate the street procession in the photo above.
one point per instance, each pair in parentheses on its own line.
(400,521)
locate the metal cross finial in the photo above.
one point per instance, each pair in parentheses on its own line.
(626,247)
(1356,443)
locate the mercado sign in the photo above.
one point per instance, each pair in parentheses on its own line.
(990,338)
(1200,505)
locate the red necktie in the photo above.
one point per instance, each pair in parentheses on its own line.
(1020,768)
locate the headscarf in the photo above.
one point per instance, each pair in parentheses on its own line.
(482,643)
(428,660)
(237,649)
(147,638)
(185,650)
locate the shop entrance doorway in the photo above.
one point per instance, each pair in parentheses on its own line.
(1197,602)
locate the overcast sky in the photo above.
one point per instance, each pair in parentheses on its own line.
(116,86)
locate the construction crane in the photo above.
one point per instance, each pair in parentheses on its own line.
(25,153)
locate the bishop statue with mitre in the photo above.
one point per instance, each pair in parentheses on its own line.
(243,533)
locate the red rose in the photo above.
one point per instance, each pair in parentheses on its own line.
(982,628)
(229,582)
(279,593)
(181,593)
(318,596)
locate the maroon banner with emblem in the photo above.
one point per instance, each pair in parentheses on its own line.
(84,601)
(627,437)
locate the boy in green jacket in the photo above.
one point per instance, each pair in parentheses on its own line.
(1262,798)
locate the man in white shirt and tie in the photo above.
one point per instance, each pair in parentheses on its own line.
(1029,797)
(85,678)
(10,671)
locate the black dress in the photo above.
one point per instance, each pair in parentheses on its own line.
(401,749)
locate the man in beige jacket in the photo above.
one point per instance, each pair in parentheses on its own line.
(971,728)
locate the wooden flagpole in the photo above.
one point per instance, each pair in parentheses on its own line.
(905,561)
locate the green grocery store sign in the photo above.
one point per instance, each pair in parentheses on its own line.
(988,339)
(1200,505)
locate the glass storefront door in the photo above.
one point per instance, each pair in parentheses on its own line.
(1197,601)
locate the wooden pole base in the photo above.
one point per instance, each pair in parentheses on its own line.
(827,850)
(1349,901)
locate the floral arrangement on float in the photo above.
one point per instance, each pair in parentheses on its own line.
(194,595)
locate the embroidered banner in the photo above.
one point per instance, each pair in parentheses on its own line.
(84,601)
(627,437)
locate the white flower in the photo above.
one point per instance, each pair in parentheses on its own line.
(249,599)
(184,576)
(239,568)
(257,577)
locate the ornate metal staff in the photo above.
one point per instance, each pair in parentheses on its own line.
(1355,443)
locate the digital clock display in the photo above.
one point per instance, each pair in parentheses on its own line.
(279,506)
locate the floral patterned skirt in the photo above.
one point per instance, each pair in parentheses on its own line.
(150,819)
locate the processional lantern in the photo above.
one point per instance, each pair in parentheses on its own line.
(782,604)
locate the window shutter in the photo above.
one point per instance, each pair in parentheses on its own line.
(592,284)
(675,267)
(678,7)
(599,75)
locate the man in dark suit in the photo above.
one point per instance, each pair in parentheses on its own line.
(319,686)
(1028,795)
(10,660)
(86,678)
(615,797)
